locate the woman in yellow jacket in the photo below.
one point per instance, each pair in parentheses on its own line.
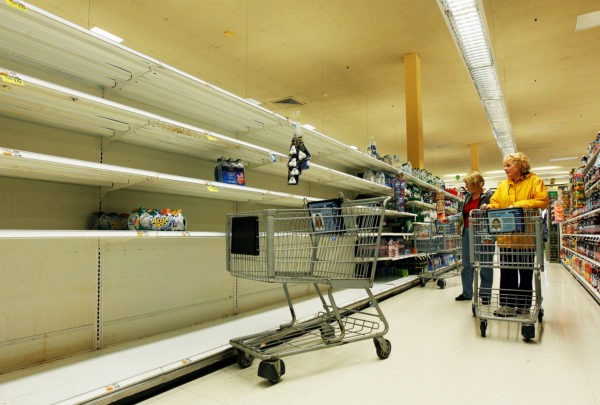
(525,190)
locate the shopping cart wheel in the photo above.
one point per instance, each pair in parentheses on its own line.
(441,283)
(327,332)
(383,347)
(422,282)
(528,332)
(541,314)
(483,327)
(244,360)
(272,370)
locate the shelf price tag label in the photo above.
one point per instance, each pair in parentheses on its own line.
(14,4)
(212,189)
(14,153)
(273,157)
(211,138)
(12,80)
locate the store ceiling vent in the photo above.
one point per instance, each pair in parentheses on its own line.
(587,21)
(288,101)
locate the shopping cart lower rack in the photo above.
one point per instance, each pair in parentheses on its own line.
(510,240)
(333,243)
(442,247)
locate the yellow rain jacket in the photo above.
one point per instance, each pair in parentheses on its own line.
(528,192)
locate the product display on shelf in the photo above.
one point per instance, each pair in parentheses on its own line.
(580,221)
(142,219)
(299,157)
(230,171)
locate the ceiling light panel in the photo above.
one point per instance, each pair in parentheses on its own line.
(466,23)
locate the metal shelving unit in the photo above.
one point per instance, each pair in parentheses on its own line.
(39,101)
(29,165)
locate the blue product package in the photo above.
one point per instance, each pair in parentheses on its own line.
(506,220)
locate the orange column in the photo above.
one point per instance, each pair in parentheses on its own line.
(475,156)
(414,115)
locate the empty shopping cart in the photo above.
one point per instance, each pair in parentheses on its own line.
(442,245)
(511,241)
(333,243)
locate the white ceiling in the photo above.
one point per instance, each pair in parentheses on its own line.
(343,58)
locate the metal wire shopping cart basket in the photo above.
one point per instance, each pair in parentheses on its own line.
(509,240)
(332,242)
(442,245)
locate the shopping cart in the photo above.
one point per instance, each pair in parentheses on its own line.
(442,245)
(332,242)
(512,240)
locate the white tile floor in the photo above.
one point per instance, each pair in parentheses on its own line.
(438,357)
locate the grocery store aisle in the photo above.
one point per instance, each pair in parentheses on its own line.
(438,357)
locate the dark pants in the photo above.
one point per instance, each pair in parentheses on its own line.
(516,277)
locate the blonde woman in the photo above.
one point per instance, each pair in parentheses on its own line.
(475,198)
(525,190)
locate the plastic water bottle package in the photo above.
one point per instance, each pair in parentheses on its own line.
(140,219)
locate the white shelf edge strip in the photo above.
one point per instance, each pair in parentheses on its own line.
(581,216)
(92,234)
(583,257)
(581,235)
(145,173)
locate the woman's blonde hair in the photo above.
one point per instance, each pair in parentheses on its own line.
(519,158)
(474,179)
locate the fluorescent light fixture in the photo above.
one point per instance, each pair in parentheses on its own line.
(495,172)
(545,168)
(253,101)
(307,126)
(466,22)
(563,158)
(455,174)
(587,21)
(107,34)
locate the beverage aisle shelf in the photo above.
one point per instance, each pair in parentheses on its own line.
(591,162)
(412,179)
(582,256)
(582,236)
(39,101)
(582,216)
(36,166)
(593,292)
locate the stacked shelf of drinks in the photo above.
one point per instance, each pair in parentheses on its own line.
(578,211)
